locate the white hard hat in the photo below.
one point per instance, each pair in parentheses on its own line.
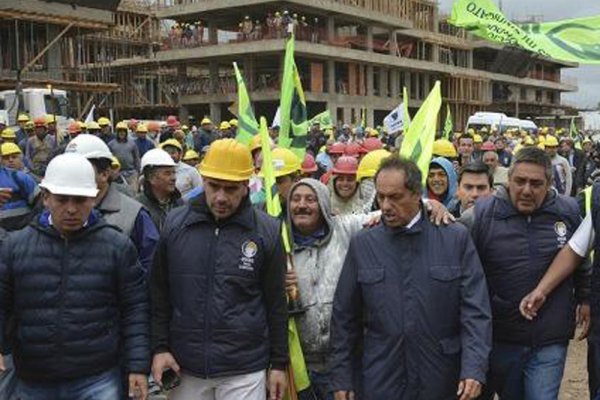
(70,175)
(89,146)
(156,158)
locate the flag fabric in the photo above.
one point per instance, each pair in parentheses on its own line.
(293,128)
(323,119)
(573,40)
(90,116)
(394,121)
(574,133)
(418,141)
(406,113)
(247,125)
(448,126)
(277,118)
(298,365)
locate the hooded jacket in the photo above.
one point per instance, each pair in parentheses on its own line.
(318,268)
(158,211)
(361,201)
(449,200)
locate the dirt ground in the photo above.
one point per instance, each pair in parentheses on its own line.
(575,384)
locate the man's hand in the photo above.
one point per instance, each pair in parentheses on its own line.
(468,389)
(583,320)
(531,304)
(138,386)
(291,280)
(373,221)
(344,395)
(438,213)
(277,384)
(5,195)
(161,362)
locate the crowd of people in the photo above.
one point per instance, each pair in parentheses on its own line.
(139,251)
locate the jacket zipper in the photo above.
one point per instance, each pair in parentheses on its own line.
(207,309)
(62,291)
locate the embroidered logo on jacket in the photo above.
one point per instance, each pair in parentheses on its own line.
(249,250)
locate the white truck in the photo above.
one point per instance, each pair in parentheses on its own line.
(500,121)
(36,103)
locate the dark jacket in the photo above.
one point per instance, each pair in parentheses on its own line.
(218,295)
(422,295)
(158,212)
(516,251)
(595,280)
(80,305)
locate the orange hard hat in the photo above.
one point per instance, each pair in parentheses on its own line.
(337,148)
(74,127)
(352,149)
(172,121)
(346,165)
(309,165)
(371,144)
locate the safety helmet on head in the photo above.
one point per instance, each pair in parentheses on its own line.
(444,148)
(372,143)
(346,165)
(551,141)
(191,155)
(22,118)
(89,146)
(156,158)
(172,121)
(141,128)
(29,125)
(488,146)
(352,149)
(185,128)
(233,122)
(309,165)
(8,133)
(92,125)
(206,121)
(285,162)
(121,126)
(477,138)
(337,148)
(153,126)
(224,125)
(173,143)
(74,128)
(103,121)
(229,160)
(368,166)
(51,119)
(70,174)
(9,148)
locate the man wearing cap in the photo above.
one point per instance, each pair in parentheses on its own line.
(76,296)
(159,194)
(22,119)
(12,157)
(188,177)
(219,320)
(105,130)
(562,177)
(29,132)
(141,141)
(39,148)
(117,208)
(347,196)
(126,151)
(205,135)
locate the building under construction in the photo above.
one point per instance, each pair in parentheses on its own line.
(147,58)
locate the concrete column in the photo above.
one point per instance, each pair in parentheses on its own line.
(395,83)
(383,82)
(181,80)
(53,55)
(370,117)
(393,38)
(370,80)
(249,72)
(470,59)
(407,81)
(347,115)
(331,77)
(435,53)
(213,71)
(215,112)
(370,38)
(332,106)
(212,32)
(330,28)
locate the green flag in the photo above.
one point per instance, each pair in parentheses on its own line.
(247,125)
(418,141)
(574,134)
(293,128)
(406,113)
(574,40)
(323,119)
(298,365)
(448,127)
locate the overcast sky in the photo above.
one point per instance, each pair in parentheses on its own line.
(588,77)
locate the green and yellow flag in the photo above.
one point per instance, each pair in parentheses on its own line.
(448,126)
(247,125)
(574,134)
(298,365)
(573,40)
(406,113)
(294,124)
(323,119)
(418,141)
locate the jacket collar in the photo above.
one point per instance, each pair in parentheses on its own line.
(505,208)
(200,213)
(43,224)
(174,199)
(415,229)
(111,202)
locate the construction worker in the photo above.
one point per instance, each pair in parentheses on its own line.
(188,140)
(477,143)
(8,136)
(93,128)
(29,132)
(153,131)
(233,123)
(365,174)
(346,194)
(205,136)
(126,151)
(141,141)
(191,158)
(117,180)
(466,149)
(225,130)
(22,119)
(82,127)
(74,130)
(286,166)
(561,169)
(117,208)
(159,194)
(220,320)
(40,148)
(188,177)
(327,161)
(309,167)
(106,133)
(89,308)
(490,158)
(12,157)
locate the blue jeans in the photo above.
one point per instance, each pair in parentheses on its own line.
(105,386)
(525,373)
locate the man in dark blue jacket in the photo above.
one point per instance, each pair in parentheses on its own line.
(421,292)
(76,296)
(219,313)
(518,232)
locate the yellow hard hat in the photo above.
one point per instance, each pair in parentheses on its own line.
(9,148)
(587,140)
(224,125)
(121,125)
(444,148)
(233,122)
(471,131)
(171,142)
(29,125)
(50,119)
(8,134)
(370,164)
(103,121)
(191,155)
(206,121)
(115,163)
(541,146)
(93,125)
(82,125)
(255,143)
(478,138)
(545,130)
(551,141)
(285,162)
(541,140)
(23,118)
(528,141)
(484,130)
(141,128)
(229,160)
(185,128)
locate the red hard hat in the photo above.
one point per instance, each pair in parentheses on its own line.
(153,126)
(41,121)
(309,165)
(346,165)
(74,127)
(488,146)
(372,144)
(172,120)
(337,148)
(132,125)
(352,149)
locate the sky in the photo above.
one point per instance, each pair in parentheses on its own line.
(588,77)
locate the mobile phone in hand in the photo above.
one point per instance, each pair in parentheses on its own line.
(170,380)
